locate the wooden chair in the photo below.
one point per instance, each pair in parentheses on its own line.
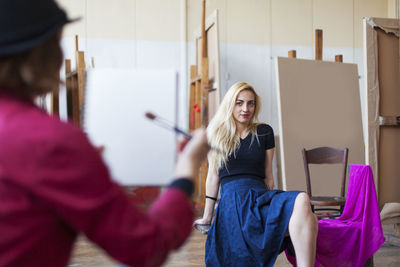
(326,155)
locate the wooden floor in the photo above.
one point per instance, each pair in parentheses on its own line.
(86,254)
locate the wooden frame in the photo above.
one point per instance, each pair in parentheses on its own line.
(75,86)
(382,72)
(204,87)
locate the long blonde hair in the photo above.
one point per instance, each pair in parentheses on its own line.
(221,130)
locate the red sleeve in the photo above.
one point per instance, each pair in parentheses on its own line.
(73,181)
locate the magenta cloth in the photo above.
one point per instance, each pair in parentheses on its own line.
(356,235)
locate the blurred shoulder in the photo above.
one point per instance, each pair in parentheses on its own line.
(28,128)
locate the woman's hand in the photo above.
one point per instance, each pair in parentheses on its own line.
(203,225)
(202,221)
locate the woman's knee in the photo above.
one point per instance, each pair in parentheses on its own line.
(303,201)
(303,212)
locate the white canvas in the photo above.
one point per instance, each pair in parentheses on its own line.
(137,151)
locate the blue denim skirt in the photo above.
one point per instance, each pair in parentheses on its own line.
(250,224)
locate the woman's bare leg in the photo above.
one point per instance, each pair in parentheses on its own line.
(303,229)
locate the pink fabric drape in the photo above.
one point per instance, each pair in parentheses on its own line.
(356,235)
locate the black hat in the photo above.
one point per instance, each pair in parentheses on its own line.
(25,24)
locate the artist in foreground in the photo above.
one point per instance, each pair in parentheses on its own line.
(253,223)
(53,182)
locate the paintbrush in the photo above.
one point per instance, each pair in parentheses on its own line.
(168,125)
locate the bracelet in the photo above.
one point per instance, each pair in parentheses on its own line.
(213,198)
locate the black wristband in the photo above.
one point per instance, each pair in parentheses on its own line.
(213,198)
(184,184)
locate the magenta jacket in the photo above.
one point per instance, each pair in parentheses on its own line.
(54,184)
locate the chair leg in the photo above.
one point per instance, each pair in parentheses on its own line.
(370,262)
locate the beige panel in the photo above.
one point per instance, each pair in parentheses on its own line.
(392,6)
(193,18)
(212,52)
(158,20)
(248,21)
(389,105)
(388,73)
(111,19)
(337,30)
(74,9)
(319,105)
(292,22)
(366,8)
(212,104)
(325,179)
(389,165)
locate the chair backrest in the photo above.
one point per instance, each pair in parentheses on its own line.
(325,155)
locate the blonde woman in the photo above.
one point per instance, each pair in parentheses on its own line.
(253,221)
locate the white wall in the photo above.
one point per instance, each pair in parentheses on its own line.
(159,34)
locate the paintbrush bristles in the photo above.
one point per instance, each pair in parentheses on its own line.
(150,115)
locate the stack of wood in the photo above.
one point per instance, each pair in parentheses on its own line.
(390,218)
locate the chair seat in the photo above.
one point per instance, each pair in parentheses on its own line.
(328,201)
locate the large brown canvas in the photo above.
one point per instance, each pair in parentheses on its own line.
(319,105)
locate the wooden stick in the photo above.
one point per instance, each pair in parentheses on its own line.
(68,85)
(55,105)
(203,31)
(76,43)
(318,44)
(204,89)
(338,58)
(204,69)
(292,54)
(81,69)
(204,101)
(75,100)
(192,97)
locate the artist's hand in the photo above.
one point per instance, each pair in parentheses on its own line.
(99,149)
(193,153)
(181,145)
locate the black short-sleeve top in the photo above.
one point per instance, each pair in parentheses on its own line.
(249,158)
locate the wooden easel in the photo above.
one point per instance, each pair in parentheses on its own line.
(199,100)
(318,48)
(198,107)
(55,102)
(75,85)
